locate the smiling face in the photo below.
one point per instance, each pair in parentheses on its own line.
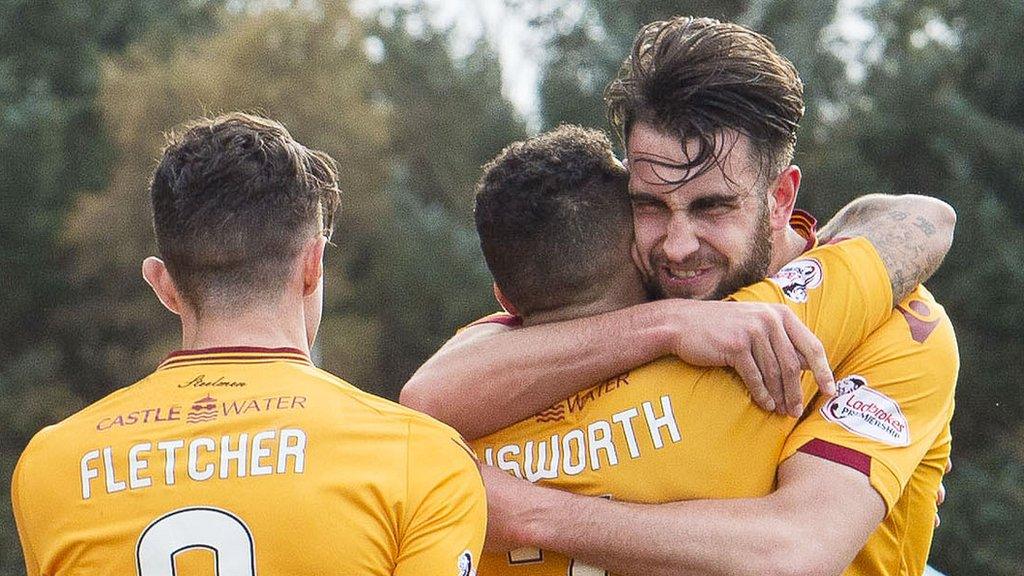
(710,235)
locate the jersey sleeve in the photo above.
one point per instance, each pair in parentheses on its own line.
(840,291)
(446,521)
(500,318)
(31,564)
(894,401)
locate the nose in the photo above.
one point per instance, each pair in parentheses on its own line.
(681,239)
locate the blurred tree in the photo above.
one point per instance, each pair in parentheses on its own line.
(409,128)
(932,102)
(53,145)
(944,115)
(265,62)
(420,274)
(588,41)
(52,140)
(448,113)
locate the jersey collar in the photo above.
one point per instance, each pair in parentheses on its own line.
(805,225)
(234,355)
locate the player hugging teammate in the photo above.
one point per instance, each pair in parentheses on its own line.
(641,407)
(847,483)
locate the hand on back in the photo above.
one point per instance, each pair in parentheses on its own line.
(766,344)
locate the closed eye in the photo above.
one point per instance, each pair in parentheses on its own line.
(645,203)
(714,204)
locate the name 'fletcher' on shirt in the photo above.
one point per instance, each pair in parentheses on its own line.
(198,459)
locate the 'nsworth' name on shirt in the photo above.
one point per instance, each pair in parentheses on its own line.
(195,459)
(590,446)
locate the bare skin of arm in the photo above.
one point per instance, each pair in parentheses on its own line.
(489,377)
(911,233)
(794,530)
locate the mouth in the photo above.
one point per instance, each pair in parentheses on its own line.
(685,281)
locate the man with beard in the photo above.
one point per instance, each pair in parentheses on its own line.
(708,112)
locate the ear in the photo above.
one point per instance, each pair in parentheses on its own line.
(313,264)
(503,300)
(155,273)
(782,197)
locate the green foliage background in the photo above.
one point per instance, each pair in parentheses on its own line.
(932,102)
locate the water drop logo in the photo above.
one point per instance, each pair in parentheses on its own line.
(203,410)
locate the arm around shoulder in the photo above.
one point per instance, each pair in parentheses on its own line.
(489,376)
(450,374)
(911,233)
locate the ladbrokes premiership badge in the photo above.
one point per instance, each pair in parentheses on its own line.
(867,412)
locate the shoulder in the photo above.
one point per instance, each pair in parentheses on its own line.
(910,364)
(42,463)
(847,248)
(846,267)
(355,398)
(918,330)
(854,255)
(917,335)
(428,434)
(667,369)
(415,427)
(921,316)
(67,432)
(439,464)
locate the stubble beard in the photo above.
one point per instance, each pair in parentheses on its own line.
(751,270)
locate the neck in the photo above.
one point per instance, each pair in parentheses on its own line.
(262,327)
(789,245)
(621,293)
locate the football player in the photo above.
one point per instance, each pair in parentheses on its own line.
(237,455)
(708,112)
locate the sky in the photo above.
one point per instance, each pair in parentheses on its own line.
(521,48)
(518,45)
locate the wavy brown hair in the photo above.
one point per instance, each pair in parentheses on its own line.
(696,77)
(234,200)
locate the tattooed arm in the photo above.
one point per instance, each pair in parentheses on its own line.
(911,233)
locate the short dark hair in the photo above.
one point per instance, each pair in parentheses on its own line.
(234,200)
(554,217)
(695,77)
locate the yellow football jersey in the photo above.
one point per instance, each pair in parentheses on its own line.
(248,461)
(891,420)
(668,431)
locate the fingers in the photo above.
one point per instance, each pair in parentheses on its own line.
(768,366)
(789,368)
(751,376)
(811,351)
(949,466)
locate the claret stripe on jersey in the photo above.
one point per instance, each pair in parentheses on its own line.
(806,226)
(234,355)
